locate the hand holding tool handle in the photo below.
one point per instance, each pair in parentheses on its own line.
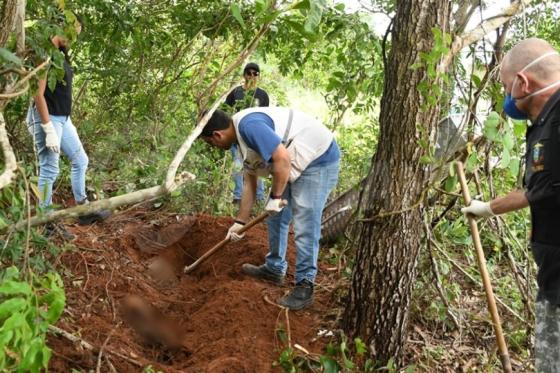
(504,355)
(223,242)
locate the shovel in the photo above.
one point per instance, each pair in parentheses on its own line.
(223,242)
(504,355)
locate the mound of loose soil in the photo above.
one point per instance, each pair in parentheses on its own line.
(136,302)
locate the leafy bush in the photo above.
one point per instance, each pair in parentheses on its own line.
(27,308)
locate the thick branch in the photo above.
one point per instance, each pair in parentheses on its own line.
(474,35)
(180,155)
(9,156)
(110,203)
(463,15)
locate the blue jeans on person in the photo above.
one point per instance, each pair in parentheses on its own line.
(306,198)
(70,145)
(238,177)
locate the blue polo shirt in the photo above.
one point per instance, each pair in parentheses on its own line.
(257,130)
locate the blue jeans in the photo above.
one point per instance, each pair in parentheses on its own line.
(238,177)
(306,198)
(70,145)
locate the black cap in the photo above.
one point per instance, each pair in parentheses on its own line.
(251,66)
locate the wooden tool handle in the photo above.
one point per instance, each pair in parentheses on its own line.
(223,242)
(504,355)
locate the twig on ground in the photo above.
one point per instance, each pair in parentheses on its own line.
(288,331)
(98,369)
(87,270)
(111,366)
(267,300)
(109,299)
(88,346)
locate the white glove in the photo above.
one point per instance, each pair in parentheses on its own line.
(478,208)
(275,205)
(51,140)
(232,234)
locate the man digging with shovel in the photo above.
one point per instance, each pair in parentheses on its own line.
(530,73)
(303,158)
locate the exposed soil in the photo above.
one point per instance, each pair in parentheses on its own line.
(132,298)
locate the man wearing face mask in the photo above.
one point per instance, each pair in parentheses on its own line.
(530,73)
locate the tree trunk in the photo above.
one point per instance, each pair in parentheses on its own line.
(7,19)
(389,238)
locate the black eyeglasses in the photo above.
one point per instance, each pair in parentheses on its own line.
(252,73)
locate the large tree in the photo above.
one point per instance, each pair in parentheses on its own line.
(390,234)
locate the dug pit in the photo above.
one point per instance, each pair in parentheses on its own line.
(206,321)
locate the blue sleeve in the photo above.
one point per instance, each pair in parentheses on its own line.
(257,130)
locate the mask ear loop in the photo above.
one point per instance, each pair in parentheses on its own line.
(535,61)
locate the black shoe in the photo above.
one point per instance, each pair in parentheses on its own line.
(57,229)
(300,297)
(93,217)
(263,273)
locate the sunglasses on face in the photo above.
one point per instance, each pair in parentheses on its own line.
(252,73)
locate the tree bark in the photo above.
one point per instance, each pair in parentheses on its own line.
(7,19)
(390,237)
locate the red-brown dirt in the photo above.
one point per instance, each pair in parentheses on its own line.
(226,322)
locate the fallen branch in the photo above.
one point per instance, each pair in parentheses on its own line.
(88,346)
(109,204)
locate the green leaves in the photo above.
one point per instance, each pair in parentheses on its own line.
(11,306)
(431,85)
(13,287)
(9,58)
(314,15)
(329,365)
(491,126)
(507,138)
(361,347)
(24,319)
(236,13)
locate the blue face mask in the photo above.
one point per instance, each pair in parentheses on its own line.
(510,108)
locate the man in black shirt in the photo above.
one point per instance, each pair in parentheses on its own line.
(243,97)
(530,74)
(52,130)
(248,95)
